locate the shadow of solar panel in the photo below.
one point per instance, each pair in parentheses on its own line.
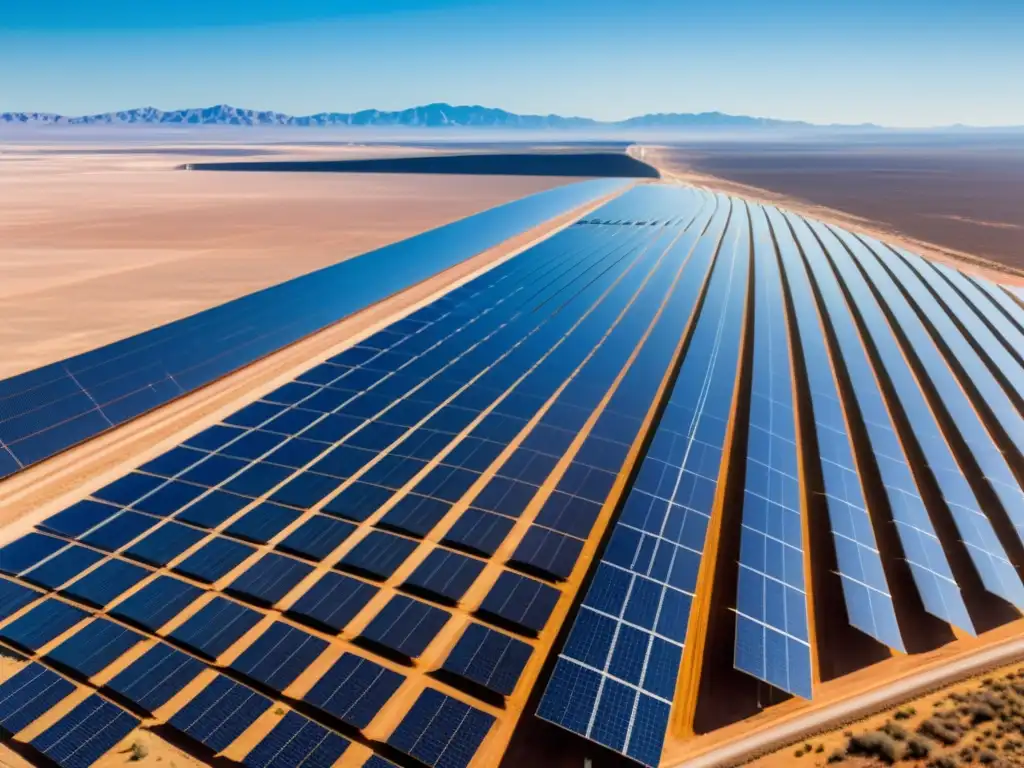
(42,624)
(214,559)
(279,655)
(488,658)
(216,627)
(63,566)
(441,731)
(79,518)
(118,531)
(297,452)
(29,693)
(354,690)
(128,489)
(154,678)
(358,501)
(14,597)
(94,647)
(165,543)
(213,509)
(157,603)
(250,445)
(269,579)
(296,742)
(519,602)
(568,514)
(479,532)
(169,498)
(547,553)
(220,713)
(29,550)
(404,626)
(377,555)
(109,580)
(254,414)
(85,734)
(505,496)
(415,515)
(306,489)
(316,538)
(212,438)
(444,575)
(333,601)
(258,478)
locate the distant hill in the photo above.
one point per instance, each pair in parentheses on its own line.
(428,116)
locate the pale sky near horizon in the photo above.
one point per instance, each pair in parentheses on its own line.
(895,62)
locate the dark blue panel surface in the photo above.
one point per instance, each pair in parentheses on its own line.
(42,624)
(262,523)
(165,543)
(489,658)
(279,655)
(27,551)
(405,626)
(110,579)
(519,601)
(269,579)
(214,559)
(445,575)
(79,518)
(14,597)
(28,694)
(155,677)
(118,531)
(220,713)
(479,532)
(297,742)
(377,555)
(157,603)
(85,734)
(63,566)
(317,537)
(354,690)
(441,731)
(216,626)
(94,647)
(333,601)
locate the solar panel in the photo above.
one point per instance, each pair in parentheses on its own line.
(169,498)
(444,575)
(317,537)
(110,579)
(279,655)
(62,566)
(869,605)
(42,624)
(376,761)
(358,501)
(377,555)
(547,552)
(479,532)
(212,438)
(119,530)
(647,575)
(157,603)
(27,694)
(257,479)
(520,602)
(354,690)
(154,678)
(332,601)
(488,658)
(85,734)
(79,518)
(128,489)
(213,509)
(14,597)
(172,462)
(263,522)
(269,579)
(216,627)
(215,559)
(405,626)
(27,551)
(441,731)
(928,564)
(250,445)
(165,543)
(415,515)
(94,647)
(296,742)
(772,641)
(220,713)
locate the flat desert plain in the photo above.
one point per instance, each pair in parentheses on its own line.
(99,241)
(958,197)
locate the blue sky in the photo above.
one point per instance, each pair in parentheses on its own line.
(901,62)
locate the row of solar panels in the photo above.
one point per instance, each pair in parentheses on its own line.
(47,410)
(575,291)
(879,315)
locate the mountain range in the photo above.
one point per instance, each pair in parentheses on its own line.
(428,116)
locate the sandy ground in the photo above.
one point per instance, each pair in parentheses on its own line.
(896,209)
(95,247)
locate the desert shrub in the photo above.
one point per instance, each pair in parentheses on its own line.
(895,730)
(820,748)
(939,730)
(876,744)
(998,685)
(987,682)
(798,753)
(993,700)
(987,757)
(944,761)
(918,748)
(991,744)
(958,697)
(981,713)
(139,751)
(906,713)
(837,756)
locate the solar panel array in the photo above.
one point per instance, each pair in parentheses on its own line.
(378,556)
